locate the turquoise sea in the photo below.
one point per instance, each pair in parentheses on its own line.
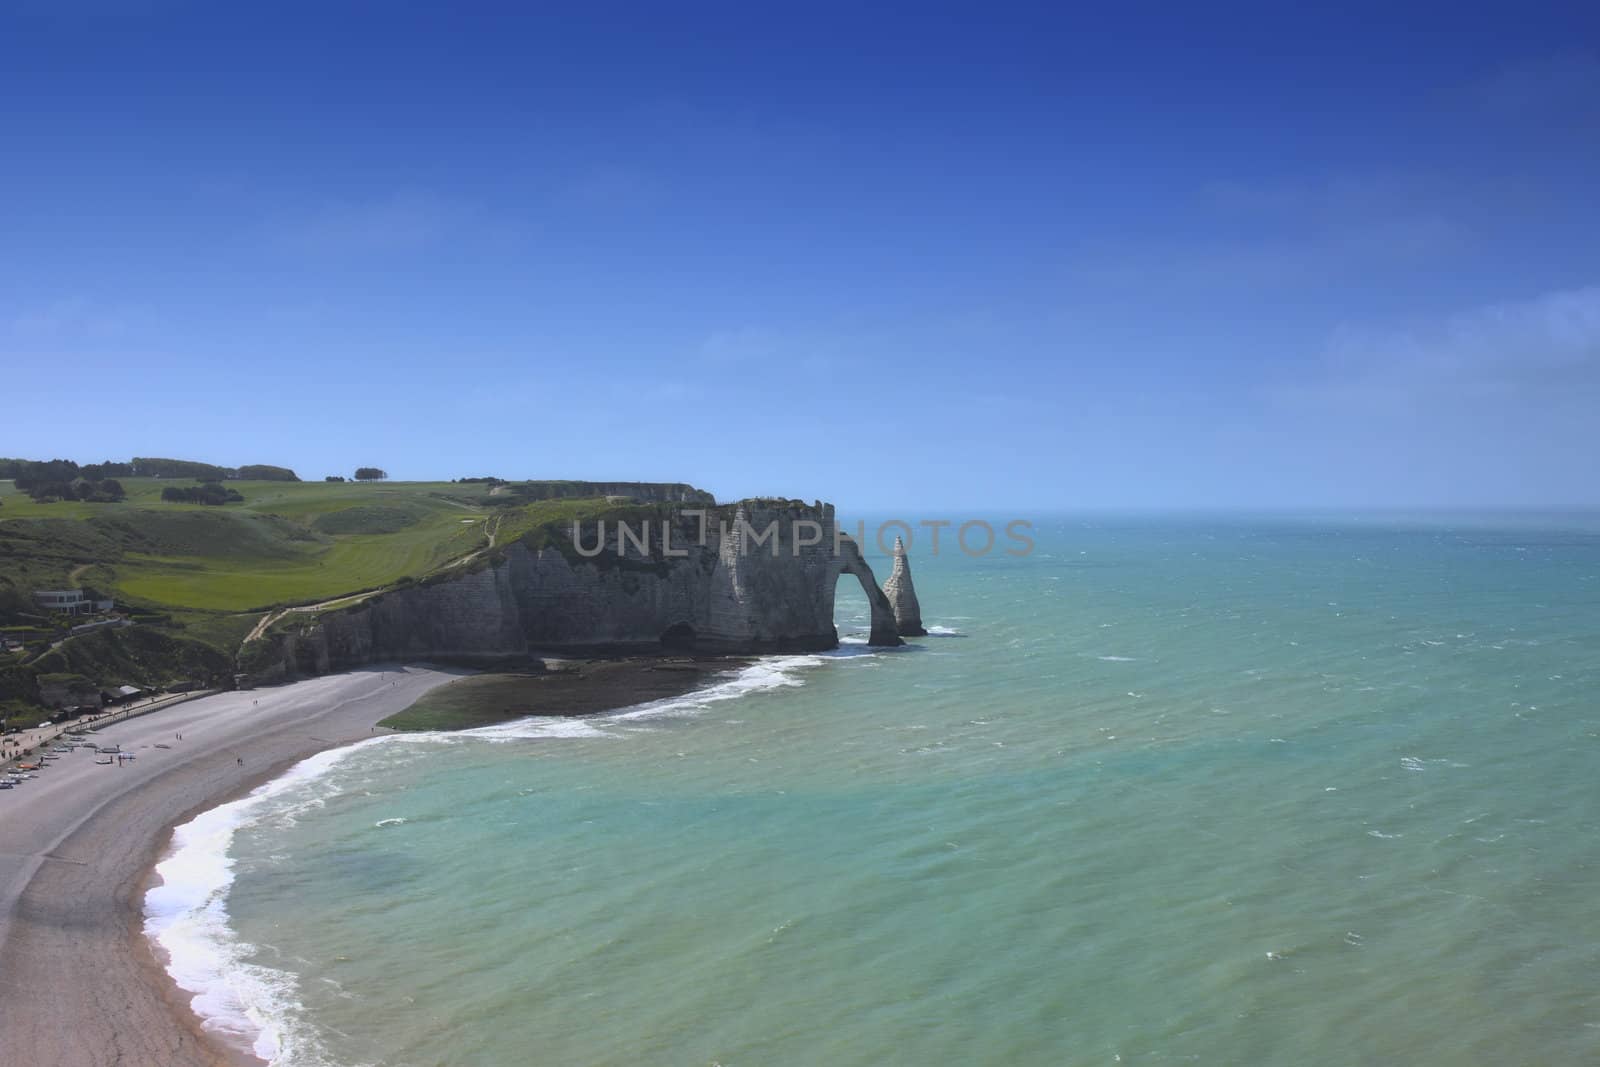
(1311,791)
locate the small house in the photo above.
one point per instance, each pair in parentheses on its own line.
(71,601)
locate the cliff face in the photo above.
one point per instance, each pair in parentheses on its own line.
(757,577)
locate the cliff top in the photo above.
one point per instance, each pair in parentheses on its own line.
(205,575)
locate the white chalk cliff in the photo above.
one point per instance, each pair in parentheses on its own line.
(903,595)
(704,581)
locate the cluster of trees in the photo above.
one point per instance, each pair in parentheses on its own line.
(103,491)
(146,467)
(65,470)
(205,493)
(334,478)
(61,479)
(266,472)
(154,467)
(485,481)
(60,470)
(371,474)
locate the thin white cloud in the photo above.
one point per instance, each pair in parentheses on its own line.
(1524,354)
(76,318)
(1551,84)
(1546,339)
(759,345)
(1316,255)
(397,222)
(610,189)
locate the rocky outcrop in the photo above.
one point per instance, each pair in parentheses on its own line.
(903,595)
(755,577)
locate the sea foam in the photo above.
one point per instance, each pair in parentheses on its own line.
(249,1005)
(187,915)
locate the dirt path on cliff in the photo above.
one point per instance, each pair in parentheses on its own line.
(491,529)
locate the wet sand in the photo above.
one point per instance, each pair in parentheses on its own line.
(80,985)
(563,686)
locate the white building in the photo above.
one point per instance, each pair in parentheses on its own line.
(71,601)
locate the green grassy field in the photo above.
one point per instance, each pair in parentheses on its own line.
(197,579)
(287,543)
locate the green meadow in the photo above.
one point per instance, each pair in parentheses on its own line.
(287,543)
(197,579)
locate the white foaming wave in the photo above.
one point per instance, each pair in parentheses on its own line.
(768,672)
(187,915)
(1117,659)
(549,727)
(944,631)
(250,1005)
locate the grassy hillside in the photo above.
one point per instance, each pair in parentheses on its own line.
(286,543)
(197,579)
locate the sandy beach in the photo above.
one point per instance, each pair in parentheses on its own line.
(80,985)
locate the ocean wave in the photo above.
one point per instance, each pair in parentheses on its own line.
(257,1007)
(770,672)
(187,916)
(944,631)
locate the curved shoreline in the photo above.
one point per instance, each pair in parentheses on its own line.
(80,843)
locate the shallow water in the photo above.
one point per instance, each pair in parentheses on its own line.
(1200,791)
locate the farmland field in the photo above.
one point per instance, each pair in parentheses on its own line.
(288,542)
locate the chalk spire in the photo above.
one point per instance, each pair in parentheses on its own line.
(903,595)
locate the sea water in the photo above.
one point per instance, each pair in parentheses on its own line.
(1222,791)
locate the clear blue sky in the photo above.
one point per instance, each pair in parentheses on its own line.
(1003,257)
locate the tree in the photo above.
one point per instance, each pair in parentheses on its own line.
(31,473)
(371,474)
(266,472)
(151,467)
(49,492)
(209,493)
(109,469)
(334,478)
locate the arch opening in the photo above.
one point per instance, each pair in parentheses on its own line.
(880,616)
(679,637)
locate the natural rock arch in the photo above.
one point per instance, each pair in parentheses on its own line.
(884,631)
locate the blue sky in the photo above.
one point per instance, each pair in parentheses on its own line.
(1001,257)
